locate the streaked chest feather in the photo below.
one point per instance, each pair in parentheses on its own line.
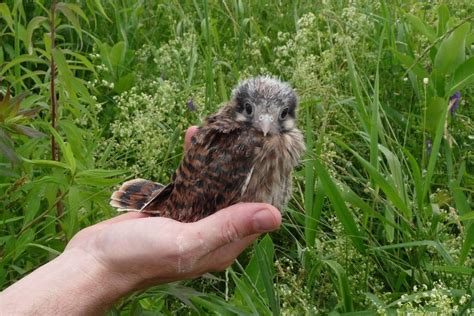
(270,179)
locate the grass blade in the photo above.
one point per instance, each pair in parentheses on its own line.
(264,253)
(342,212)
(422,243)
(390,191)
(342,284)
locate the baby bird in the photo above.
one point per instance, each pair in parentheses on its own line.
(243,153)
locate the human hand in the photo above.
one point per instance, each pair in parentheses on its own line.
(139,251)
(132,251)
(153,250)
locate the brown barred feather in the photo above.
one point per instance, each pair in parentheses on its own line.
(212,172)
(133,195)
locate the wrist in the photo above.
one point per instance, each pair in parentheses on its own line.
(94,282)
(74,283)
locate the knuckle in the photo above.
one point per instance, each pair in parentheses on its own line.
(229,232)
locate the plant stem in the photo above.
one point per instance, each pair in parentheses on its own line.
(54,105)
(424,147)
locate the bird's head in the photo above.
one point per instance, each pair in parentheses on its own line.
(266,103)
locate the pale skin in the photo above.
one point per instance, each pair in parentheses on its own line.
(133,251)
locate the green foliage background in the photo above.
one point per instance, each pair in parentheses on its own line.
(381,218)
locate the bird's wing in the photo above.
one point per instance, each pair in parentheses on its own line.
(157,198)
(213,172)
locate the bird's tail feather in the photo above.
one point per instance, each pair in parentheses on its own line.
(134,194)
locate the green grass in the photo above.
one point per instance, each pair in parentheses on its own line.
(381,217)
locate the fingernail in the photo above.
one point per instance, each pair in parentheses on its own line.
(264,221)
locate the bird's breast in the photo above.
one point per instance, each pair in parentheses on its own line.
(270,179)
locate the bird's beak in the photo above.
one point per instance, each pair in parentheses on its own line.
(266,121)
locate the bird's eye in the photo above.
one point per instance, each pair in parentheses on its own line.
(284,114)
(248,108)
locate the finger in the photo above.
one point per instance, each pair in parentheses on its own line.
(189,134)
(236,222)
(224,256)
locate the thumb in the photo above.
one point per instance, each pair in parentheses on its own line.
(236,222)
(189,134)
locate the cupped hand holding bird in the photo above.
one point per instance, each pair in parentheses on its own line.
(133,251)
(155,250)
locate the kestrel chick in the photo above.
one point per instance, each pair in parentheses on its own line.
(243,153)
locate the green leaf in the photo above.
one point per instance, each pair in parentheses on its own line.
(310,207)
(421,27)
(60,141)
(265,253)
(390,191)
(416,177)
(375,128)
(463,76)
(22,242)
(99,6)
(351,197)
(243,292)
(453,269)
(217,306)
(467,244)
(342,212)
(390,217)
(72,84)
(421,243)
(76,138)
(11,220)
(435,109)
(21,59)
(62,65)
(462,203)
(356,87)
(434,152)
(70,160)
(74,200)
(32,26)
(100,173)
(253,273)
(313,216)
(52,251)
(395,173)
(6,14)
(341,284)
(116,56)
(451,52)
(467,217)
(105,54)
(33,202)
(77,9)
(124,82)
(86,62)
(409,62)
(438,81)
(70,10)
(47,163)
(99,177)
(443,17)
